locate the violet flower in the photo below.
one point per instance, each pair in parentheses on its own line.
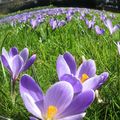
(59,102)
(90,23)
(53,24)
(68,18)
(34,23)
(56,23)
(108,24)
(61,23)
(81,79)
(16,62)
(99,31)
(103,17)
(69,15)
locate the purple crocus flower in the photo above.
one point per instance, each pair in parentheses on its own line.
(34,23)
(61,23)
(82,78)
(103,17)
(59,102)
(16,62)
(98,30)
(56,23)
(53,23)
(68,18)
(69,15)
(108,24)
(90,23)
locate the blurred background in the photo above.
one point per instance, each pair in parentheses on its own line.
(7,6)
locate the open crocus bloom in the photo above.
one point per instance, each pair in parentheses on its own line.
(109,25)
(59,102)
(82,78)
(16,62)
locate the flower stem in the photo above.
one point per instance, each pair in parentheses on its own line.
(13,91)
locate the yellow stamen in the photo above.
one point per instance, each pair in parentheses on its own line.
(51,112)
(84,78)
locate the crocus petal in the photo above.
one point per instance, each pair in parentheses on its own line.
(109,25)
(24,54)
(70,61)
(5,63)
(13,51)
(33,118)
(29,86)
(79,104)
(30,105)
(29,62)
(62,67)
(74,117)
(104,76)
(59,95)
(76,84)
(95,82)
(87,67)
(16,65)
(5,53)
(116,27)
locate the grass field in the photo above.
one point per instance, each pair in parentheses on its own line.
(47,44)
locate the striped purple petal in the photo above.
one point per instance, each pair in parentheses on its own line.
(87,67)
(16,66)
(79,104)
(29,62)
(13,51)
(70,60)
(76,84)
(59,95)
(62,67)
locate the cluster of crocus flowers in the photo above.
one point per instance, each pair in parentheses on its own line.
(54,23)
(59,102)
(16,62)
(81,79)
(68,98)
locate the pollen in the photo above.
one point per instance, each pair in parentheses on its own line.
(84,78)
(51,112)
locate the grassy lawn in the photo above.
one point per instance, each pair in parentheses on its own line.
(47,44)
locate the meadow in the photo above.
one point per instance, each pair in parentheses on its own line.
(70,33)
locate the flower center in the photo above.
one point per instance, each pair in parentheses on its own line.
(51,112)
(84,78)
